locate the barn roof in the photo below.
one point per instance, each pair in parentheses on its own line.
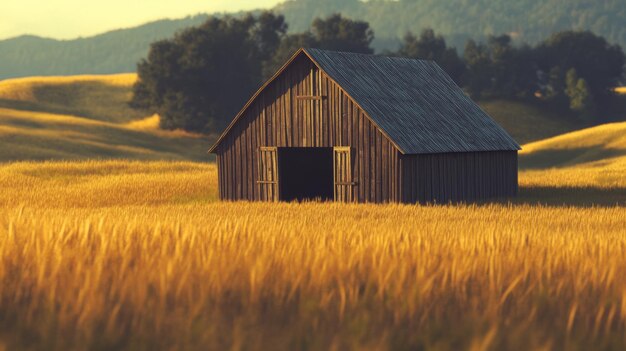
(414,102)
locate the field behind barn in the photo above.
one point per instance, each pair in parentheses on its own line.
(101,252)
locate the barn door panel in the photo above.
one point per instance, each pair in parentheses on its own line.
(343,179)
(268,174)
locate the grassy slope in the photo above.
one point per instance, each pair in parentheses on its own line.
(599,146)
(586,167)
(69,118)
(527,122)
(102,98)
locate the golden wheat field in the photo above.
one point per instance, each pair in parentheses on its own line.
(110,255)
(139,255)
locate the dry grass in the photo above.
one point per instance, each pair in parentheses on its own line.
(100,97)
(130,255)
(134,255)
(85,117)
(27,135)
(148,123)
(593,157)
(94,184)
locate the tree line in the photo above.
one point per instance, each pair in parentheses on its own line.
(201,77)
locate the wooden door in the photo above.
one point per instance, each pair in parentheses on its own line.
(268,174)
(343,180)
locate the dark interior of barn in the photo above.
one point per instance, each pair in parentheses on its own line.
(305,173)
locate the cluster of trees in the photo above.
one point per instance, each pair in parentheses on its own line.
(200,78)
(570,69)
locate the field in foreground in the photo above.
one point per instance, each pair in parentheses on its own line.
(138,256)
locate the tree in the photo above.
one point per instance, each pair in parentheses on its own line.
(499,69)
(331,33)
(342,34)
(268,33)
(199,79)
(597,62)
(580,97)
(432,47)
(287,47)
(478,75)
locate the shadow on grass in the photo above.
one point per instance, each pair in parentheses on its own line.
(571,196)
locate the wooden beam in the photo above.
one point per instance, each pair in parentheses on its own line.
(310,97)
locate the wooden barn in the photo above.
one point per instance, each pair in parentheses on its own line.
(364,128)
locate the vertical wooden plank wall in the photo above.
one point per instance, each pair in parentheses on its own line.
(279,118)
(454,177)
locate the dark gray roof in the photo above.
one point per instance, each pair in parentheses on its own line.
(415,103)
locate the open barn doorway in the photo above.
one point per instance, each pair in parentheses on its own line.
(305,173)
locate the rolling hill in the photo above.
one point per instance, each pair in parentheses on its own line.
(102,98)
(85,117)
(78,117)
(526,20)
(591,157)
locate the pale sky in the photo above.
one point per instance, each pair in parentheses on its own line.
(68,19)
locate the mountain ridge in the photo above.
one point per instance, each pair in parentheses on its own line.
(119,50)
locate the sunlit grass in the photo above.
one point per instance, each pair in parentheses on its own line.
(593,157)
(140,255)
(100,97)
(135,255)
(28,135)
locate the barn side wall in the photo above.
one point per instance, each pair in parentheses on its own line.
(453,177)
(278,118)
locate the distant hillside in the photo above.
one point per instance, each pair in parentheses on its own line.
(85,117)
(526,20)
(113,52)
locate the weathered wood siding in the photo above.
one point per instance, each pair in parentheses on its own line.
(290,112)
(454,177)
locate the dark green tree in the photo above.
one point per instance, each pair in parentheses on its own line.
(497,68)
(596,61)
(433,47)
(269,32)
(478,76)
(342,34)
(332,33)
